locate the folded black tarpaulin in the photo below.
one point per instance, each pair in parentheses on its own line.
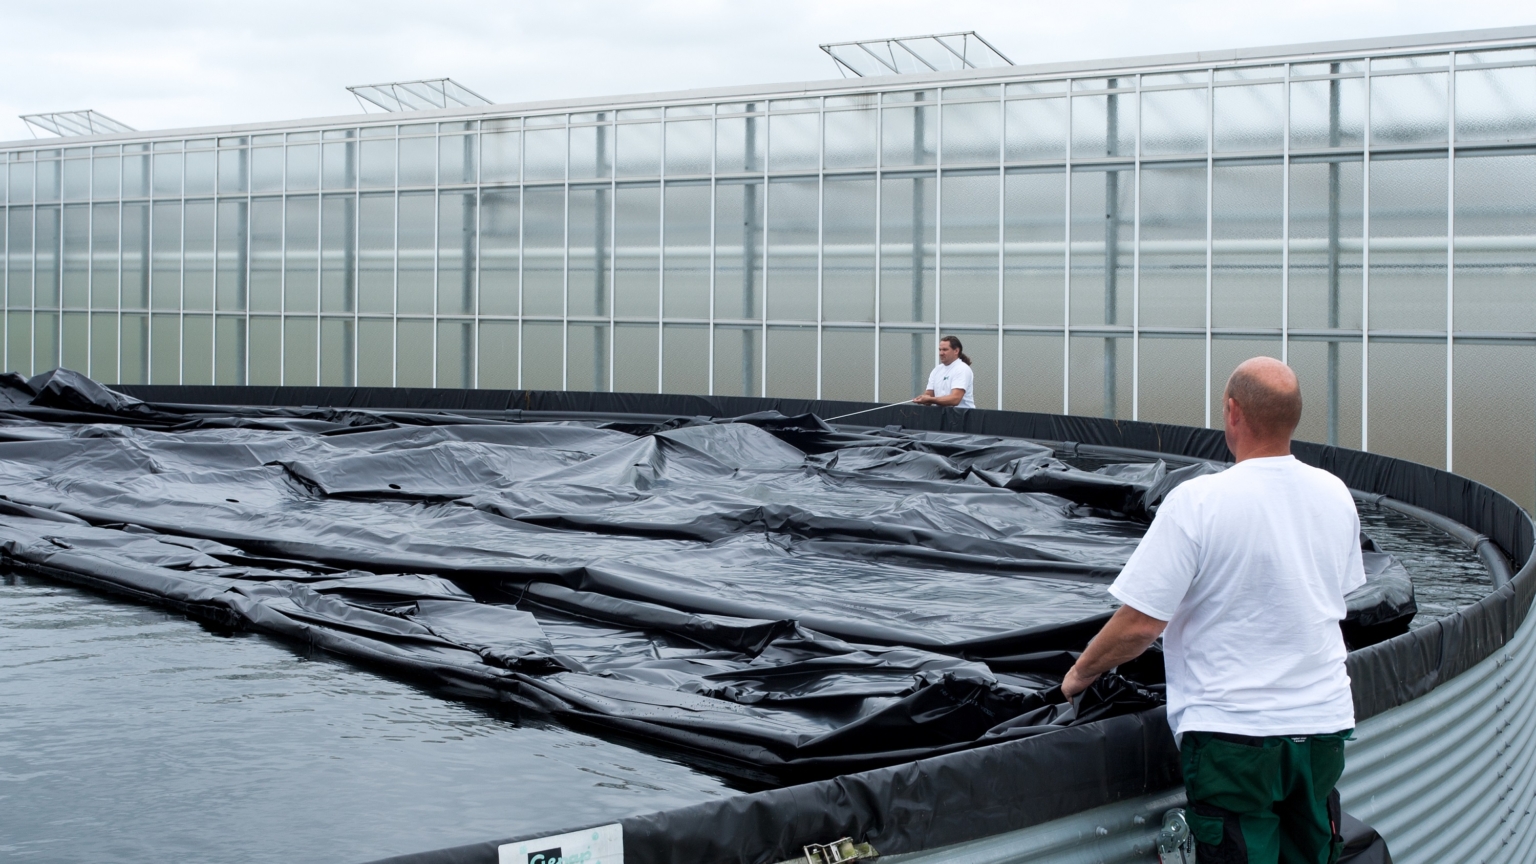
(771,596)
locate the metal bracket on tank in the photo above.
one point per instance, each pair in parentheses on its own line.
(837,851)
(1175,842)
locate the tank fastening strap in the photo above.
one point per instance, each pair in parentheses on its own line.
(836,852)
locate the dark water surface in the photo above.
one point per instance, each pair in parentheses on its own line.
(129,734)
(1447,575)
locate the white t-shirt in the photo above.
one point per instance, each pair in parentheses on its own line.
(955,376)
(1249,567)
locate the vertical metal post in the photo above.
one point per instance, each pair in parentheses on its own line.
(919,213)
(821,237)
(1285,220)
(1136,263)
(750,227)
(1365,272)
(1066,273)
(1210,184)
(714,188)
(1002,236)
(879,234)
(1111,248)
(1334,167)
(1450,264)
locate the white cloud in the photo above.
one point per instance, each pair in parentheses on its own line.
(172,64)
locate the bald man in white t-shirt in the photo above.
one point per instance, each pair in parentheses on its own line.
(1244,574)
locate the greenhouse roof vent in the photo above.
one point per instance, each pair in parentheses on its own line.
(907,55)
(417,95)
(68,124)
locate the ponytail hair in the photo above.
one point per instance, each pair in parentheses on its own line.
(955,344)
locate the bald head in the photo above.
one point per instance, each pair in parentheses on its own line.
(1269,395)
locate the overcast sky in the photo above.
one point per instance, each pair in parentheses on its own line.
(159,64)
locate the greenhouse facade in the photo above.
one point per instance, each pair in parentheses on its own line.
(1107,238)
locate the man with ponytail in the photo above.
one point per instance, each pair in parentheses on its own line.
(951,382)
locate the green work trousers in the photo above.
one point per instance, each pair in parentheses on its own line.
(1264,800)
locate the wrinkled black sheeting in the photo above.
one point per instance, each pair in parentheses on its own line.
(919,805)
(758,827)
(1385,675)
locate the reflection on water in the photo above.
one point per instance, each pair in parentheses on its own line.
(1447,575)
(134,735)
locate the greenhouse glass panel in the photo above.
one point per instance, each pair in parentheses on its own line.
(1034,253)
(738,252)
(1247,224)
(1173,122)
(1104,124)
(76,252)
(1407,399)
(968,279)
(456,162)
(636,255)
(1329,372)
(1103,233)
(635,358)
(456,253)
(201,168)
(792,248)
(1408,245)
(1035,129)
(848,252)
(500,157)
(197,349)
(1172,383)
(1327,201)
(76,180)
(418,162)
(413,353)
(339,165)
(972,132)
(740,143)
(690,147)
(586,357)
(791,370)
(591,152)
(105,178)
(794,142)
(685,358)
(377,168)
(544,152)
(376,352)
(301,346)
(639,149)
(905,361)
(686,256)
(301,255)
(104,258)
(416,246)
(738,361)
(848,365)
(134,289)
(266,285)
(1409,109)
(1032,372)
(338,253)
(198,257)
(1328,113)
(1249,118)
(589,266)
(497,355)
(499,253)
(1173,260)
(1496,104)
(908,223)
(167,181)
(851,138)
(165,273)
(303,168)
(455,354)
(266,169)
(165,352)
(1495,244)
(265,351)
(908,134)
(375,255)
(543,252)
(1099,376)
(1494,399)
(336,352)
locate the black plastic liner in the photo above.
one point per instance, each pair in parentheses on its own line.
(314,574)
